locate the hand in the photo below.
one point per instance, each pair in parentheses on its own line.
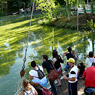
(64,54)
(65,77)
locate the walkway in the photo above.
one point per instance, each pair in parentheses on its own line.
(63,90)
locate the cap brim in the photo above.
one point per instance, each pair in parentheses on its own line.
(67,60)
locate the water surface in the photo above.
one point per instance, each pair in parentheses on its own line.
(42,40)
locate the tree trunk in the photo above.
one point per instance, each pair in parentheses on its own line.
(92,10)
(69,15)
(68,10)
(84,10)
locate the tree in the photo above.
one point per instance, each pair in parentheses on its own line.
(61,2)
(3,5)
(92,8)
(47,7)
(69,4)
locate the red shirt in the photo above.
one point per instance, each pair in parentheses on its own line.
(89,75)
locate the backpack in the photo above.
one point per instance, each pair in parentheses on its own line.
(40,73)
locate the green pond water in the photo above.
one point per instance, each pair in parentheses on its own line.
(13,37)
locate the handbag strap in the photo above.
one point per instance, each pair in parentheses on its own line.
(52,64)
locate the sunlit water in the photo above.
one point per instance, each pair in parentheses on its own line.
(40,42)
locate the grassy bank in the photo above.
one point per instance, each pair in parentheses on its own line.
(84,22)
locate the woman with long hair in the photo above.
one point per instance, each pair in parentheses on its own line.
(28,88)
(56,61)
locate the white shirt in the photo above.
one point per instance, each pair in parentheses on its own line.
(35,79)
(75,69)
(91,60)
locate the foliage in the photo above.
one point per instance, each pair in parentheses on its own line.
(90,24)
(47,7)
(58,11)
(61,2)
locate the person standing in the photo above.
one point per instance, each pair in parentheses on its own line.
(91,58)
(56,61)
(75,54)
(72,79)
(81,66)
(68,55)
(89,75)
(37,75)
(28,88)
(48,66)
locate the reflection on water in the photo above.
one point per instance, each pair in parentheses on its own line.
(40,42)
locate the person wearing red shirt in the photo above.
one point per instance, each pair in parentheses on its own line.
(89,75)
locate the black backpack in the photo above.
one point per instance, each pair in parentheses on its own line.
(40,73)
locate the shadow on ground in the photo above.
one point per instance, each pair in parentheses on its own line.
(63,90)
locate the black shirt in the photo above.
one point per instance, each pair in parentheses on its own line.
(81,69)
(57,63)
(69,55)
(47,65)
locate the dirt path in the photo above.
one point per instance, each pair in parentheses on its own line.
(63,90)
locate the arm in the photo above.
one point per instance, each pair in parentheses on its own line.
(61,60)
(64,54)
(87,56)
(70,79)
(78,65)
(36,93)
(33,84)
(73,76)
(54,60)
(84,74)
(30,77)
(76,57)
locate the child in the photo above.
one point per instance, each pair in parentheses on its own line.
(81,68)
(28,89)
(91,58)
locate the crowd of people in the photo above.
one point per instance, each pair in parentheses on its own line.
(74,71)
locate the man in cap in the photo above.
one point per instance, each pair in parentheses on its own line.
(72,78)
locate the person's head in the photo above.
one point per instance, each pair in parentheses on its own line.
(81,64)
(91,54)
(93,64)
(71,62)
(25,84)
(45,57)
(69,49)
(33,64)
(54,53)
(74,52)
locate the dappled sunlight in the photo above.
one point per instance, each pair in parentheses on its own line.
(14,36)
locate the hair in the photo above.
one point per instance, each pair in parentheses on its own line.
(69,49)
(33,63)
(73,51)
(93,64)
(91,54)
(45,57)
(25,83)
(54,53)
(81,64)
